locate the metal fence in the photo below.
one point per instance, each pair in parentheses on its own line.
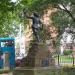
(64,60)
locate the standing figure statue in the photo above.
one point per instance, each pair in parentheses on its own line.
(36,25)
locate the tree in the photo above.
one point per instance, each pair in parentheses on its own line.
(65,9)
(7,17)
(63,17)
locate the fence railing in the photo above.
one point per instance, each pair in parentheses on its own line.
(65,60)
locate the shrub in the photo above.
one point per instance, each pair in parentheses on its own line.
(67,52)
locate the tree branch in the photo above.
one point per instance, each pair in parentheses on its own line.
(66,10)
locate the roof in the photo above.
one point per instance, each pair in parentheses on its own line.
(7,38)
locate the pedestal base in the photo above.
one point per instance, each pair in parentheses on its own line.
(38,56)
(34,71)
(39,61)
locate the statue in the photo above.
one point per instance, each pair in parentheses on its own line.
(36,25)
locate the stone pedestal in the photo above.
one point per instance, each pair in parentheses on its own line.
(34,71)
(38,58)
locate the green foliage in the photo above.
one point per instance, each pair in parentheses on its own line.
(61,20)
(67,52)
(10,11)
(37,5)
(7,16)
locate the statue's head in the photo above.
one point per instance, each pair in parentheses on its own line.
(35,14)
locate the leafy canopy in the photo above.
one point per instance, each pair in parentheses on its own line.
(9,12)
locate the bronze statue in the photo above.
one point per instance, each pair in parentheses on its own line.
(36,25)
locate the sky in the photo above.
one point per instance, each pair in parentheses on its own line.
(13,0)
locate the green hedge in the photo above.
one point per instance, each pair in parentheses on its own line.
(67,52)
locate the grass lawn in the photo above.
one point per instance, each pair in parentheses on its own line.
(65,60)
